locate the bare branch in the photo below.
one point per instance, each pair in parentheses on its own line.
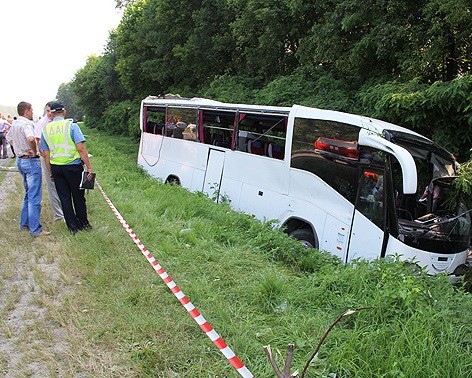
(328,330)
(288,361)
(268,352)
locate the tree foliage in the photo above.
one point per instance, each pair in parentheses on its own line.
(87,87)
(66,95)
(441,111)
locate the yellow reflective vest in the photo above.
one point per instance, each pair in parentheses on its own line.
(62,148)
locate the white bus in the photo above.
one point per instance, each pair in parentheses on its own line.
(354,186)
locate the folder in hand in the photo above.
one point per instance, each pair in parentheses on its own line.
(85,183)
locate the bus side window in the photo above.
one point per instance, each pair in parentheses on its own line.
(262,134)
(177,120)
(327,149)
(218,127)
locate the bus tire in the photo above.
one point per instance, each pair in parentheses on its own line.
(306,237)
(173,180)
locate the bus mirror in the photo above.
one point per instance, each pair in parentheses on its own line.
(407,163)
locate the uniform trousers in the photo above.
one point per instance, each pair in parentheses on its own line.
(67,180)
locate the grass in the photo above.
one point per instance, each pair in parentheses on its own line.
(255,286)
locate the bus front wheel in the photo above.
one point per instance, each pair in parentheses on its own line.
(306,237)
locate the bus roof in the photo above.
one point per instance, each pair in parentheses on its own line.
(364,122)
(195,101)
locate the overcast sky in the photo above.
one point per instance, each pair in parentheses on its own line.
(44,42)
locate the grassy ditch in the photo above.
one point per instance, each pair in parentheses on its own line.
(255,286)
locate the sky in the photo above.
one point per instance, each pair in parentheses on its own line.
(44,42)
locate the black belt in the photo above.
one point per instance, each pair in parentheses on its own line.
(29,157)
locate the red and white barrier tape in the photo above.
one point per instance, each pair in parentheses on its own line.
(194,313)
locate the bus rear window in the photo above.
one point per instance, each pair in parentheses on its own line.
(154,119)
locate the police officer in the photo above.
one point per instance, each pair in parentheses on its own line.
(62,144)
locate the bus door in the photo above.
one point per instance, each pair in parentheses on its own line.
(367,231)
(214,173)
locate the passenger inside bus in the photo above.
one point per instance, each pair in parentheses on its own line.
(431,197)
(170,127)
(190,132)
(378,190)
(178,130)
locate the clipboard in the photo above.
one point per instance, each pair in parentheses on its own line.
(87,184)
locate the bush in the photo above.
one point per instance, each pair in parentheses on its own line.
(231,89)
(316,89)
(121,119)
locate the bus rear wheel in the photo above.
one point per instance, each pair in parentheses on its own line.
(305,237)
(172,180)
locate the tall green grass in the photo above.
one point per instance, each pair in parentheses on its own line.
(254,285)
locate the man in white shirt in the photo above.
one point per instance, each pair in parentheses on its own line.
(21,136)
(54,200)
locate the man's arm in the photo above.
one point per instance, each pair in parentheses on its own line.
(33,146)
(47,159)
(82,150)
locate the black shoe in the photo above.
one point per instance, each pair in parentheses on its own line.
(87,226)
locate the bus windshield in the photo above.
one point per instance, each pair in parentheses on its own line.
(435,218)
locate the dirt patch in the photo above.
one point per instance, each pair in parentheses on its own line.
(32,341)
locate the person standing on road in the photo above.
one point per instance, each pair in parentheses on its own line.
(10,122)
(21,135)
(54,200)
(4,125)
(64,151)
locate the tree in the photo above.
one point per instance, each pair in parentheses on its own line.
(445,44)
(110,83)
(86,86)
(266,36)
(66,95)
(123,3)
